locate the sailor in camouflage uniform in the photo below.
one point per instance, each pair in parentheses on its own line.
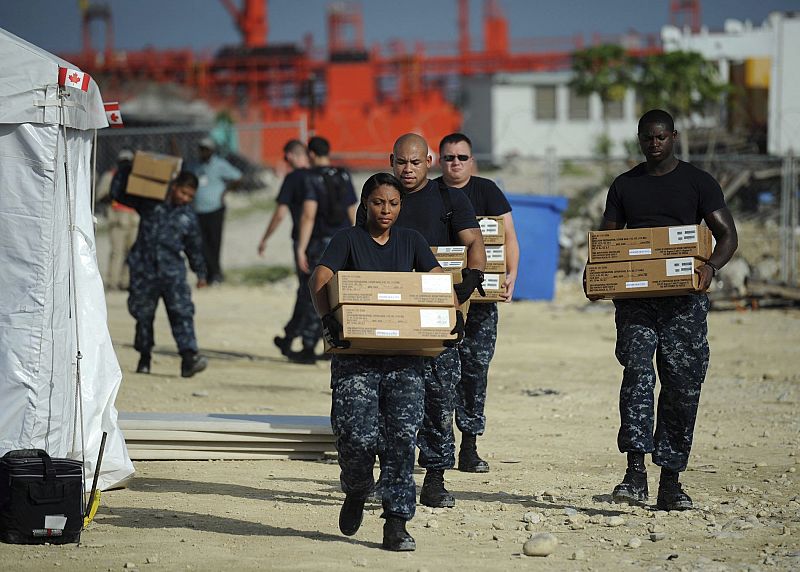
(664,191)
(167,229)
(376,398)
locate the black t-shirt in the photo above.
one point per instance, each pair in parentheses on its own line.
(354,249)
(486,197)
(686,195)
(424,210)
(292,194)
(332,200)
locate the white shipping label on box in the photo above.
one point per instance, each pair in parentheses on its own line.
(55,521)
(495,253)
(682,234)
(680,266)
(636,284)
(640,251)
(489,227)
(451,249)
(390,297)
(436,283)
(387,333)
(451,263)
(491,282)
(434,318)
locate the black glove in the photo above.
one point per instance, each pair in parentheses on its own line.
(458,329)
(472,279)
(332,332)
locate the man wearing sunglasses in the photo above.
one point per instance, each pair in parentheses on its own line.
(480,335)
(664,191)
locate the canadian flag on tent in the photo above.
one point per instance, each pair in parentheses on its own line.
(73,78)
(112,113)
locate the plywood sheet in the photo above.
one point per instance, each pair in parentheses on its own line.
(216,446)
(161,455)
(228,422)
(224,437)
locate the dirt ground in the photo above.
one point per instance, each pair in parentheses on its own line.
(551,442)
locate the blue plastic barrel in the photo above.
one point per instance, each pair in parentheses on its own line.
(536,220)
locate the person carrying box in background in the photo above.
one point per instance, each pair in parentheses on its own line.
(375,394)
(123,223)
(480,336)
(167,229)
(663,191)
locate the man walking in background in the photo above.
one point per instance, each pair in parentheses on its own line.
(216,176)
(290,201)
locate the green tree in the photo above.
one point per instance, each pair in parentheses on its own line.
(682,83)
(608,71)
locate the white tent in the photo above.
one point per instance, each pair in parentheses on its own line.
(53,332)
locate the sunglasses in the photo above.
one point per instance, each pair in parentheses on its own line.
(451,158)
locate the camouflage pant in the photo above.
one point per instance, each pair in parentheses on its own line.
(145,290)
(674,329)
(476,352)
(378,397)
(437,448)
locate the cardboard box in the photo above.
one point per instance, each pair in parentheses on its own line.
(493,285)
(391,288)
(395,330)
(452,258)
(495,259)
(650,243)
(493,229)
(151,174)
(643,278)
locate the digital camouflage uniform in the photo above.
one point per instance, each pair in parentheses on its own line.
(375,395)
(437,447)
(476,351)
(674,330)
(158,270)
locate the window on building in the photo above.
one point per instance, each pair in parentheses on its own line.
(613,109)
(545,102)
(578,105)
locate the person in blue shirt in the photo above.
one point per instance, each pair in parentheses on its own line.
(167,230)
(216,176)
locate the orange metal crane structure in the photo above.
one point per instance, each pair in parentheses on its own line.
(358,98)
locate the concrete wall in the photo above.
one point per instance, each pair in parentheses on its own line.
(783,136)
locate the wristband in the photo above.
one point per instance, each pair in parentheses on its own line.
(714,269)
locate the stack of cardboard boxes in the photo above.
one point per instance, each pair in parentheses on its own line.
(494,275)
(393,313)
(646,262)
(151,174)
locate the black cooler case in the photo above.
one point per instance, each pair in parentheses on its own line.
(41,499)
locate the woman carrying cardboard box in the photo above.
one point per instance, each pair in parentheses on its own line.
(376,393)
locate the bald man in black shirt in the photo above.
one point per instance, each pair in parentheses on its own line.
(664,191)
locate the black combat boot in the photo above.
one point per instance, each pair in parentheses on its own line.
(468,459)
(283,344)
(305,356)
(633,488)
(433,493)
(144,364)
(351,514)
(192,363)
(395,536)
(670,493)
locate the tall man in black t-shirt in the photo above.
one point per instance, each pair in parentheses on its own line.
(664,191)
(480,336)
(329,205)
(290,201)
(424,210)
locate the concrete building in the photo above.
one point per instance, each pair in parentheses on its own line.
(768,56)
(538,115)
